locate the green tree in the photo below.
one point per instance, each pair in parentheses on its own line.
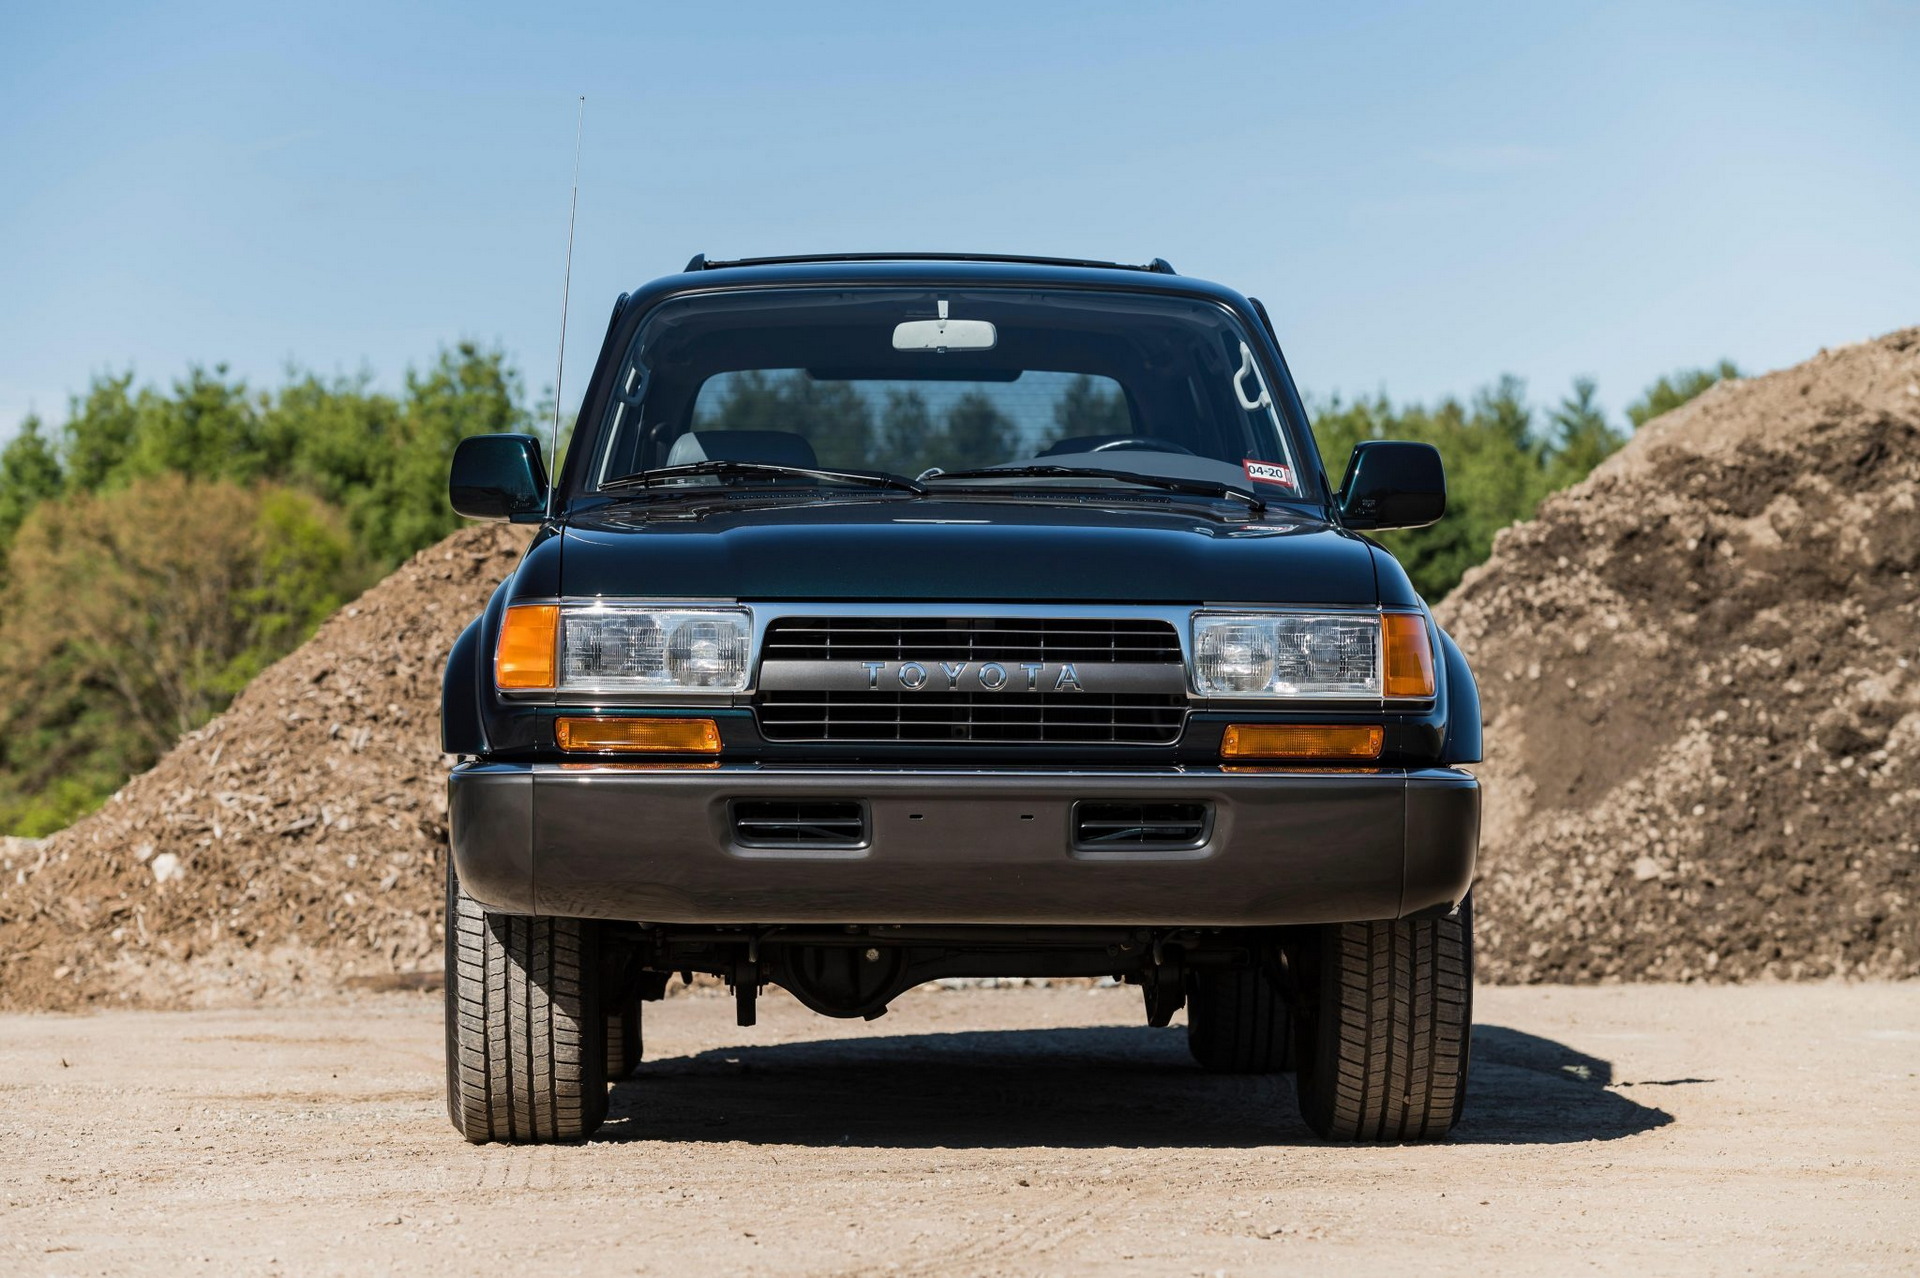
(1084,409)
(833,416)
(115,641)
(907,433)
(99,433)
(167,544)
(384,460)
(29,474)
(1497,471)
(209,427)
(977,433)
(402,506)
(1675,389)
(1581,438)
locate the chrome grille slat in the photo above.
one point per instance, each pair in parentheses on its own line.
(856,638)
(937,715)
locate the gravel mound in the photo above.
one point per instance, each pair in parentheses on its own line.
(1703,706)
(294,843)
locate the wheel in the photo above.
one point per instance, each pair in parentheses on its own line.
(1238,1023)
(526,1037)
(623,1041)
(1383,1048)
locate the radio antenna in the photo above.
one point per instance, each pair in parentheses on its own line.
(566,282)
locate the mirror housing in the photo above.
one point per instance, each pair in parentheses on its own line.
(1393,483)
(499,477)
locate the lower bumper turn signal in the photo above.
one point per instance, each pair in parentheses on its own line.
(616,735)
(1327,743)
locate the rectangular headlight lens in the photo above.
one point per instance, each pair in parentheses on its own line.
(1286,654)
(616,649)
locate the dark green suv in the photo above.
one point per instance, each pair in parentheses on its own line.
(905,617)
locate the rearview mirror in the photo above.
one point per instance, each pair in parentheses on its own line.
(499,477)
(945,335)
(1393,483)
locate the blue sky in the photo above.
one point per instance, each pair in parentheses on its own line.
(1425,196)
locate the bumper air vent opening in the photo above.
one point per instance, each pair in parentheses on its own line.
(799,823)
(1108,826)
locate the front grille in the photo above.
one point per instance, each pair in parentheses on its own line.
(800,823)
(994,717)
(1139,826)
(938,715)
(1009,639)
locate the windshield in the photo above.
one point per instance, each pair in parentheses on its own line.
(925,382)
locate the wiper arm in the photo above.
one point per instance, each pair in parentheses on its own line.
(723,466)
(1196,487)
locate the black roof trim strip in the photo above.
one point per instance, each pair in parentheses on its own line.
(1159,265)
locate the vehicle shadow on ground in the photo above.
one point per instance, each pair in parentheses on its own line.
(1106,1086)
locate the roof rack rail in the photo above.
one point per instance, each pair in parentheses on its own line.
(1159,265)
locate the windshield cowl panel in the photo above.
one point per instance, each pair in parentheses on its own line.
(903,386)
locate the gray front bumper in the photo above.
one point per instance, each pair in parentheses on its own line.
(962,846)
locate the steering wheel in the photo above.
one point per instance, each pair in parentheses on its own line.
(1142,444)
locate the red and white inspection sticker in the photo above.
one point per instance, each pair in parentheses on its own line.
(1261,472)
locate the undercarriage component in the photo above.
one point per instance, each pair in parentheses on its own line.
(746,992)
(843,980)
(856,970)
(1164,988)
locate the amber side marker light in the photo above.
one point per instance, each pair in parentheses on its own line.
(1409,656)
(607,735)
(1330,743)
(529,636)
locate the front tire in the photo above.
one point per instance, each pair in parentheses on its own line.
(526,1036)
(1384,1043)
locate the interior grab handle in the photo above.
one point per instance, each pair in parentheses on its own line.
(1262,400)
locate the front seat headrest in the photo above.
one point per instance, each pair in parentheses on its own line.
(774,447)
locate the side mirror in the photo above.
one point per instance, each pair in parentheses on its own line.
(1393,483)
(499,477)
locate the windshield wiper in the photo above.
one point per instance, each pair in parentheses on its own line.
(722,466)
(1196,487)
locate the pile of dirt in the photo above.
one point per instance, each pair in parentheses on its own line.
(1701,693)
(297,841)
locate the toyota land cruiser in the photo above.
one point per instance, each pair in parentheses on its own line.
(899,617)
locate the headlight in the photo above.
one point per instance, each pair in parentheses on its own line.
(616,648)
(1311,655)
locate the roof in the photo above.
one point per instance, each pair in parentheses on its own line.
(700,262)
(953,270)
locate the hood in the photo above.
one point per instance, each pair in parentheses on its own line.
(964,550)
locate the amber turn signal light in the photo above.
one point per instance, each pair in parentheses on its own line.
(528,639)
(1340,742)
(608,735)
(1409,655)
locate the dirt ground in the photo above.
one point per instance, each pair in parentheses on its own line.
(1621,1129)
